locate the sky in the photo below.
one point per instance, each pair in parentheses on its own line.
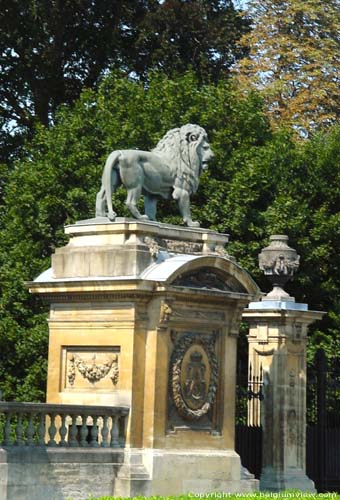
(241,3)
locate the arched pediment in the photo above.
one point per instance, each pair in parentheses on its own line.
(209,272)
(210,279)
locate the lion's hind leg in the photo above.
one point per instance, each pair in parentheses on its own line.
(133,196)
(101,203)
(115,182)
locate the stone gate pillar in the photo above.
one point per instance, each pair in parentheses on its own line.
(147,315)
(277,347)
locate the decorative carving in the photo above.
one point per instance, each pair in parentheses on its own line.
(166,312)
(153,245)
(186,247)
(279,262)
(278,258)
(297,332)
(92,372)
(195,386)
(202,278)
(291,417)
(71,372)
(261,352)
(193,394)
(221,251)
(157,244)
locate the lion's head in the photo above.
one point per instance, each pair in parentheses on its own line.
(188,152)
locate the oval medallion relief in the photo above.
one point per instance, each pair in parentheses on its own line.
(193,376)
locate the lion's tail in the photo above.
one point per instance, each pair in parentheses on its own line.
(110,180)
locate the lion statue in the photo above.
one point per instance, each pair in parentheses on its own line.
(172,169)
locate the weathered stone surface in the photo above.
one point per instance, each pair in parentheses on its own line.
(101,261)
(40,474)
(126,248)
(277,345)
(187,470)
(141,308)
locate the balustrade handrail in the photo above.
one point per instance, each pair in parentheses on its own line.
(67,425)
(6,406)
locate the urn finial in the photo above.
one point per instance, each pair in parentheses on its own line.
(279,262)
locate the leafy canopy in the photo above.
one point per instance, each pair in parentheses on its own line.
(260,182)
(294,60)
(51,50)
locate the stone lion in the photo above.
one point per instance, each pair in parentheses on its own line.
(172,169)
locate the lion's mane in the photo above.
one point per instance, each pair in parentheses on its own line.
(180,146)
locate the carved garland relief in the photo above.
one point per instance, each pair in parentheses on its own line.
(157,245)
(93,371)
(194,375)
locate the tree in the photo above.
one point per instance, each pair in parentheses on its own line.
(51,49)
(307,208)
(175,35)
(294,60)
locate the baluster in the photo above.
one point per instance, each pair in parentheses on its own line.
(52,430)
(122,437)
(84,432)
(73,432)
(42,429)
(7,430)
(19,430)
(114,432)
(94,433)
(30,429)
(105,432)
(63,430)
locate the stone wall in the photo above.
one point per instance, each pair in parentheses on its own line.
(39,473)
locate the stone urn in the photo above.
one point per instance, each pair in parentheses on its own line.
(279,262)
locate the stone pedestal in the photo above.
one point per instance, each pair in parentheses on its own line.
(147,315)
(277,347)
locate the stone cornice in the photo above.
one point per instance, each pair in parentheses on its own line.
(77,293)
(282,315)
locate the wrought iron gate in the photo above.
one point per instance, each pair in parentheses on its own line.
(323,422)
(248,438)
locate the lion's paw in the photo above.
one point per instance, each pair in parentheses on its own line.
(193,223)
(111,215)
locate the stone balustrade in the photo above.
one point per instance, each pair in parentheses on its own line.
(62,425)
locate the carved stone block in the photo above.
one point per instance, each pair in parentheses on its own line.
(193,379)
(90,367)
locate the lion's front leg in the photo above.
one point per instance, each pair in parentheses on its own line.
(184,207)
(150,204)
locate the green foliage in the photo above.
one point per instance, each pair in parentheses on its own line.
(50,51)
(293,61)
(57,182)
(259,182)
(307,208)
